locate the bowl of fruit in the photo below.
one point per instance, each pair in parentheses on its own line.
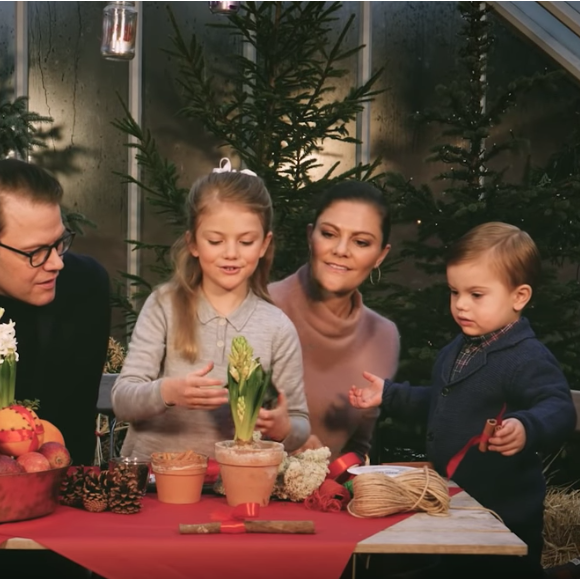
(31,469)
(30,483)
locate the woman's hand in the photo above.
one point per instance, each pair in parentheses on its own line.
(509,438)
(195,391)
(371,396)
(275,423)
(313,442)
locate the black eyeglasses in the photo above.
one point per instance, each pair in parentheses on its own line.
(39,256)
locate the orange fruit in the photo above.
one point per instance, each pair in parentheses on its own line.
(20,430)
(51,432)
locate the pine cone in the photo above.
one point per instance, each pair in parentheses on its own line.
(94,493)
(124,494)
(104,480)
(71,489)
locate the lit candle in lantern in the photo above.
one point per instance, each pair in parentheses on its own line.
(119,31)
(228,7)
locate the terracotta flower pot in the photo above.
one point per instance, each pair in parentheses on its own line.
(179,476)
(249,472)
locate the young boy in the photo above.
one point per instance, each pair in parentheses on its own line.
(495,363)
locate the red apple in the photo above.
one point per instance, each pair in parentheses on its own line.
(56,453)
(9,465)
(33,461)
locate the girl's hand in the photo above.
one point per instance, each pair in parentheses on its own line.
(275,423)
(192,391)
(371,396)
(509,438)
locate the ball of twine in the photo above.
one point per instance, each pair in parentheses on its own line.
(377,495)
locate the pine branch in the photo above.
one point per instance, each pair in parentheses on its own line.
(18,131)
(160,177)
(75,221)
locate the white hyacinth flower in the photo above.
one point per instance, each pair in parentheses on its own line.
(7,340)
(8,359)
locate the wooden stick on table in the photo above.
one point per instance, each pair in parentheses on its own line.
(254,527)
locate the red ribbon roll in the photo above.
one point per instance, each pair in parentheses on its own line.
(338,468)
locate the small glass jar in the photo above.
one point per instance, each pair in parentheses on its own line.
(119,31)
(140,468)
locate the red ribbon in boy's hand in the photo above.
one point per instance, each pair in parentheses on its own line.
(480,440)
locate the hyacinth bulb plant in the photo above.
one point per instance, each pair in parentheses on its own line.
(8,360)
(247,384)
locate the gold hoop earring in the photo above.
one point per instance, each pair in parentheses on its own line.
(373,283)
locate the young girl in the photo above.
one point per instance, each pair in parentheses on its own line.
(171,388)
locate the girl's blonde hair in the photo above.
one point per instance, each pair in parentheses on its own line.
(226,187)
(513,253)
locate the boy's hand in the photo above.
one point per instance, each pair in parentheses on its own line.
(371,396)
(509,438)
(275,423)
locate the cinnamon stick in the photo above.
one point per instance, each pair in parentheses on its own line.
(488,431)
(254,527)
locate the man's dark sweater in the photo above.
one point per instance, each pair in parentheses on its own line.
(62,348)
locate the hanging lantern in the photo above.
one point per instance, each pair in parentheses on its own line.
(119,31)
(230,7)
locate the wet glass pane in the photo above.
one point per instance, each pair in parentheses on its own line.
(415,43)
(334,151)
(75,86)
(183,142)
(546,116)
(7,49)
(186,143)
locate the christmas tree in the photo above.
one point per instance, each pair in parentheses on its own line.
(21,135)
(472,189)
(276,113)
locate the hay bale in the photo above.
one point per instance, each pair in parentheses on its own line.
(561,526)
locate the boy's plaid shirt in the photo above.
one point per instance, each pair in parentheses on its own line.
(472,345)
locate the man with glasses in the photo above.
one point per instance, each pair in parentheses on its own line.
(59,302)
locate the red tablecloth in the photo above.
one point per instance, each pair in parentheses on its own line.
(148,544)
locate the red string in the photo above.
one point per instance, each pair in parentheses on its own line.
(329,497)
(232,527)
(246,511)
(458,457)
(234,524)
(213,470)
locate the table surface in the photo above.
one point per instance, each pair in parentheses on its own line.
(469,529)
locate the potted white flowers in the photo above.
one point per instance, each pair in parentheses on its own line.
(248,468)
(8,360)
